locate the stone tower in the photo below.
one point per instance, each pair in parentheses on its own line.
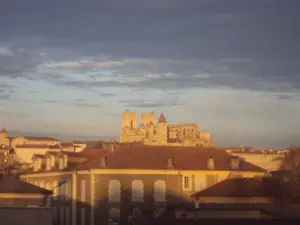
(148,118)
(162,130)
(129,120)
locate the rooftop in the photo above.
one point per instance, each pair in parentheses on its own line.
(242,187)
(149,157)
(10,184)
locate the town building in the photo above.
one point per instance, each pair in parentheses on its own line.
(114,184)
(270,160)
(159,133)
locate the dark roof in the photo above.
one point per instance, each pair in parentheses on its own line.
(148,157)
(162,118)
(40,138)
(65,145)
(10,184)
(242,187)
(38,146)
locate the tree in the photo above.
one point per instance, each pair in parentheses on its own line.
(290,176)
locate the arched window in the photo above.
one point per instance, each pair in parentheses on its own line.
(55,189)
(83,191)
(114,215)
(137,192)
(114,191)
(160,191)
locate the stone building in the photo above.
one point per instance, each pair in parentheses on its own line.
(112,185)
(159,133)
(270,160)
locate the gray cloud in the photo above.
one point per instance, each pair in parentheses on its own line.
(231,44)
(107,94)
(140,103)
(89,105)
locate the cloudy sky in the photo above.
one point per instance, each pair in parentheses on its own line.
(231,66)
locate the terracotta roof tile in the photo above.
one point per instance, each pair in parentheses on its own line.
(184,158)
(10,184)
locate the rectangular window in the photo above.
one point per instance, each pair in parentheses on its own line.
(187,183)
(154,132)
(83,191)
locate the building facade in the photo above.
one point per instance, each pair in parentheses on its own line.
(159,133)
(270,160)
(114,185)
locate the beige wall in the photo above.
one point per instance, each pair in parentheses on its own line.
(25,154)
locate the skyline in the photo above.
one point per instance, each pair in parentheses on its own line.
(74,67)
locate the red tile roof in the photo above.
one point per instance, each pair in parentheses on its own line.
(10,184)
(242,187)
(184,158)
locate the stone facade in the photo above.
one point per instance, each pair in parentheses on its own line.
(160,133)
(115,185)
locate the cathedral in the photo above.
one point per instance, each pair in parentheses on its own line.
(159,133)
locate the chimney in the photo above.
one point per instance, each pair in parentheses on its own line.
(170,163)
(103,162)
(211,163)
(65,161)
(112,147)
(52,157)
(235,163)
(60,163)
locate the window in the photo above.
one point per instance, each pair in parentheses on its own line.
(187,183)
(48,164)
(83,191)
(160,191)
(65,161)
(114,215)
(154,132)
(137,192)
(67,190)
(114,191)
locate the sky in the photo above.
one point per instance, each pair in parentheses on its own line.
(231,66)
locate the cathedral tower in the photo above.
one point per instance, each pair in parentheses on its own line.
(129,120)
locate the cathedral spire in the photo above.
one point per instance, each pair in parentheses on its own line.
(162,118)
